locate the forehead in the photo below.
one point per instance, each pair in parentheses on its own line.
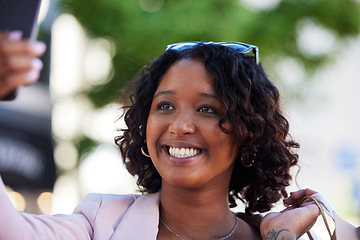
(189,74)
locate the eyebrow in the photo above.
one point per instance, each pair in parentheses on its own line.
(163,92)
(170,92)
(209,95)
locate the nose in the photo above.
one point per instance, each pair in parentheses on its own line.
(183,124)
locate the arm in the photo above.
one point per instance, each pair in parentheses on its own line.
(19,62)
(292,222)
(18,225)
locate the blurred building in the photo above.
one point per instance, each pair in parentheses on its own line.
(26,145)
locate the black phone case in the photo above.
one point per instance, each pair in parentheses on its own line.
(19,15)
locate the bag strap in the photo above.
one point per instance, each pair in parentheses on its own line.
(317,202)
(343,229)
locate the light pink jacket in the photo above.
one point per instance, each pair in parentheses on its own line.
(98,217)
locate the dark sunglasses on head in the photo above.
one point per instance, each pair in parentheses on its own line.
(237,46)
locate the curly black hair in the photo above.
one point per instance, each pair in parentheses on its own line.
(252,108)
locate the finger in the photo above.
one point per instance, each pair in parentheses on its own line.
(15,80)
(291,200)
(298,195)
(19,63)
(301,193)
(31,48)
(12,36)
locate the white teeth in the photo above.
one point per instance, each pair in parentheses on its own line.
(183,152)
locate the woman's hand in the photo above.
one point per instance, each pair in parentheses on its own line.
(19,61)
(292,222)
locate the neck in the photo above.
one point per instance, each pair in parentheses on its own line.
(196,213)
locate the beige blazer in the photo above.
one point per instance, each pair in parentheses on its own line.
(98,217)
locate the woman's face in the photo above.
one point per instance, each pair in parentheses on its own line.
(183,135)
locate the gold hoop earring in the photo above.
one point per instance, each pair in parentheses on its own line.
(247,165)
(143,152)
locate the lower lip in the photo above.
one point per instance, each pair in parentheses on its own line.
(180,161)
(186,160)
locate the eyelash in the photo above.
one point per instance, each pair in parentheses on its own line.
(210,109)
(161,105)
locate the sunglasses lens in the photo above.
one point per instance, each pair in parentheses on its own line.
(181,46)
(239,47)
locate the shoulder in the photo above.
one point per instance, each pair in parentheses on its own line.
(251,227)
(108,207)
(94,204)
(107,213)
(252,220)
(94,201)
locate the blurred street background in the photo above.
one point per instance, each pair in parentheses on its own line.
(309,48)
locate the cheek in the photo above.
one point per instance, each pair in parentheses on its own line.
(224,143)
(150,132)
(150,128)
(154,129)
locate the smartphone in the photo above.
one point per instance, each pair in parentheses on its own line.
(19,15)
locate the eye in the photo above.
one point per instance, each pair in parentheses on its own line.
(164,106)
(207,109)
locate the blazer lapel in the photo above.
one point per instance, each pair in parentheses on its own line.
(141,220)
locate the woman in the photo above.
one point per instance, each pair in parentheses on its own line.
(204,130)
(212,125)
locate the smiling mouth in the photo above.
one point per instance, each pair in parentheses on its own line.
(183,152)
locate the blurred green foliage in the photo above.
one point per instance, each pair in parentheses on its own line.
(141,29)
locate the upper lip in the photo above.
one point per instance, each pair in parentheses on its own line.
(181,145)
